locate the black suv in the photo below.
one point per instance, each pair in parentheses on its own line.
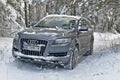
(56,39)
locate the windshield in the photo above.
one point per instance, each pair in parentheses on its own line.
(57,22)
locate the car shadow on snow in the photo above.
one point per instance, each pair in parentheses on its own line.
(85,62)
(36,67)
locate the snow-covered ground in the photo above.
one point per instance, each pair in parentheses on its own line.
(104,64)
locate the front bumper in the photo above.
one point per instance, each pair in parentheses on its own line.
(49,54)
(41,59)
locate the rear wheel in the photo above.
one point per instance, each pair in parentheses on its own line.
(91,46)
(90,51)
(73,59)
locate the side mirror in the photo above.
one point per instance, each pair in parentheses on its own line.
(83,28)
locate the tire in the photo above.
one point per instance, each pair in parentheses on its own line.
(90,51)
(73,59)
(91,46)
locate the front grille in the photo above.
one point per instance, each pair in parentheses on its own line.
(33,42)
(33,53)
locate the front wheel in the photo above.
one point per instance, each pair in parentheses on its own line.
(73,59)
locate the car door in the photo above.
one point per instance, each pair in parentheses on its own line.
(88,34)
(83,35)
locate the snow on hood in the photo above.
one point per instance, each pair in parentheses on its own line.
(47,32)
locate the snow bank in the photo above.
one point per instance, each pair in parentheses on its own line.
(105,40)
(5,49)
(106,36)
(13,24)
(12,11)
(13,18)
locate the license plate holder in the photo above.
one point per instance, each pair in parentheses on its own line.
(31,47)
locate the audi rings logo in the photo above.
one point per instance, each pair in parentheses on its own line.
(33,41)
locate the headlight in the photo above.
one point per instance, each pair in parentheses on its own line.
(62,41)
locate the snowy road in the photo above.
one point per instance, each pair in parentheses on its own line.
(104,64)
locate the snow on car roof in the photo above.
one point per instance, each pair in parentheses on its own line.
(56,15)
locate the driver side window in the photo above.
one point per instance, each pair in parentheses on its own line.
(83,25)
(82,22)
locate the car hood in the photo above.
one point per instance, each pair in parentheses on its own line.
(46,32)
